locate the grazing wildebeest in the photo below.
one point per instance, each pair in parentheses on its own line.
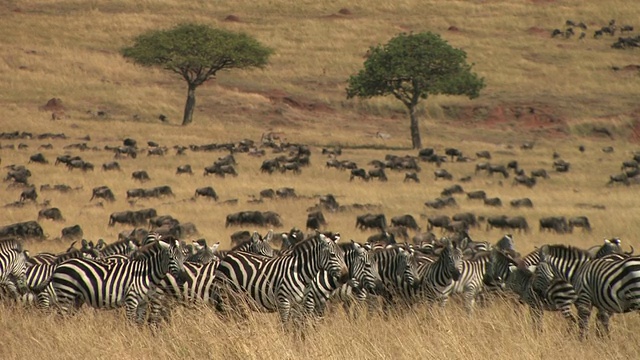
(220,171)
(286,193)
(29,194)
(140,175)
(38,158)
(80,164)
(378,173)
(482,166)
(126,217)
(483,154)
(441,202)
(112,165)
(383,237)
(495,201)
(239,237)
(540,173)
(159,151)
(629,164)
(269,166)
(129,142)
(360,173)
(348,164)
(267,193)
(136,193)
(72,233)
(442,174)
(453,189)
(523,202)
(63,188)
(65,159)
(51,214)
(498,169)
(497,222)
(518,223)
(206,191)
(411,176)
(477,195)
(554,223)
(272,218)
(102,192)
(440,221)
(334,163)
(424,238)
(406,220)
(619,178)
(316,220)
(452,152)
(294,167)
(457,227)
(245,217)
(184,169)
(581,222)
(425,153)
(467,217)
(328,202)
(163,190)
(561,165)
(25,230)
(524,180)
(19,174)
(371,221)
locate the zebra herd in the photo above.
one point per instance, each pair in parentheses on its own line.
(300,279)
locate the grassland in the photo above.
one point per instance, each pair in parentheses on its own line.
(69,50)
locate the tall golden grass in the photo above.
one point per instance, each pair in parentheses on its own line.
(70,49)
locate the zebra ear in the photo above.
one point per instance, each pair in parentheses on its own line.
(215,246)
(336,237)
(161,243)
(269,236)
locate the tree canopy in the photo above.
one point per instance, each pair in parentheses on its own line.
(411,67)
(197,52)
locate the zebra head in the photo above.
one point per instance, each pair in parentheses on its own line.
(506,243)
(407,267)
(498,269)
(262,246)
(332,258)
(361,268)
(16,266)
(176,256)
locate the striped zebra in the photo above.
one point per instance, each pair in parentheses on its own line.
(362,280)
(397,270)
(471,281)
(610,284)
(203,253)
(121,247)
(111,284)
(255,245)
(275,284)
(438,276)
(13,261)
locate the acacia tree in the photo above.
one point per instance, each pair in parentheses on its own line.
(411,67)
(196,52)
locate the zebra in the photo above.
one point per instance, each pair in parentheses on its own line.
(111,284)
(610,284)
(439,275)
(204,254)
(255,245)
(13,261)
(397,269)
(471,281)
(362,280)
(122,247)
(275,284)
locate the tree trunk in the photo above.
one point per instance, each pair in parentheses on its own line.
(191,104)
(415,129)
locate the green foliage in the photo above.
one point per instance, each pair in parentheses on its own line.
(197,52)
(413,66)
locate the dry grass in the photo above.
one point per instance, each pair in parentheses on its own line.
(70,50)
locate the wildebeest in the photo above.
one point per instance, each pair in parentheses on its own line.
(440,221)
(102,192)
(523,202)
(442,174)
(554,223)
(112,165)
(294,167)
(378,173)
(239,237)
(539,173)
(220,171)
(406,220)
(159,151)
(38,158)
(140,175)
(269,166)
(316,220)
(371,221)
(518,223)
(581,222)
(19,174)
(126,217)
(286,193)
(328,202)
(80,164)
(63,188)
(184,169)
(65,159)
(524,180)
(206,191)
(619,178)
(453,189)
(267,193)
(457,226)
(441,202)
(51,214)
(467,217)
(245,218)
(497,222)
(411,176)
(383,237)
(29,194)
(498,169)
(136,193)
(272,218)
(478,195)
(72,233)
(360,173)
(452,152)
(24,230)
(483,154)
(495,201)
(561,165)
(423,238)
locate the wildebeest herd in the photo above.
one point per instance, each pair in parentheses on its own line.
(299,273)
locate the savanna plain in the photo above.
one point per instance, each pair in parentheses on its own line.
(549,91)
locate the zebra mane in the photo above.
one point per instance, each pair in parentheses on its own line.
(13,244)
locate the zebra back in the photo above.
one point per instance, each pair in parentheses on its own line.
(121,247)
(565,260)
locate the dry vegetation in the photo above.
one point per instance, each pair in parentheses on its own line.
(69,50)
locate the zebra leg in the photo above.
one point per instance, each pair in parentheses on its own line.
(602,329)
(469,300)
(584,312)
(284,309)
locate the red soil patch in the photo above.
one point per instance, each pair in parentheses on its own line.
(635,131)
(534,30)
